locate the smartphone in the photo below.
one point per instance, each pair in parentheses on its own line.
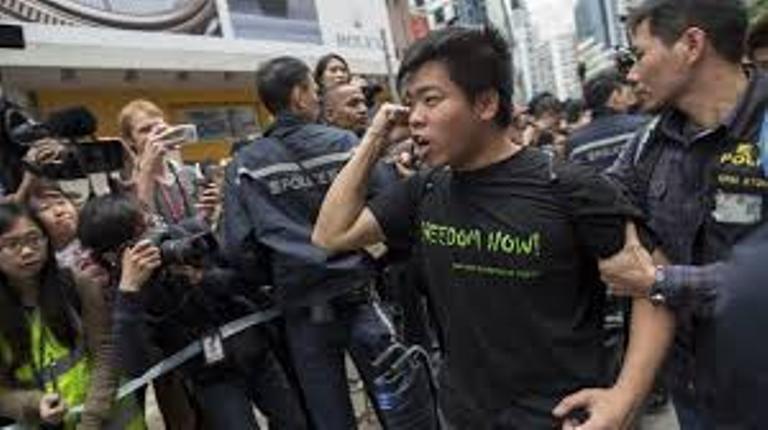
(180,135)
(206,174)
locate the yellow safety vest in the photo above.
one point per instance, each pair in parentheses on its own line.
(54,368)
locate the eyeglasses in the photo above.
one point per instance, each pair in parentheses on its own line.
(16,245)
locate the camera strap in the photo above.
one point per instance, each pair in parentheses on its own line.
(167,198)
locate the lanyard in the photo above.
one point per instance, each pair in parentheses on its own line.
(176,213)
(763,144)
(40,336)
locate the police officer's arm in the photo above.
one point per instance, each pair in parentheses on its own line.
(696,285)
(239,230)
(344,222)
(236,225)
(634,273)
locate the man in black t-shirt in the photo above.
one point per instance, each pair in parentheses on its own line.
(509,247)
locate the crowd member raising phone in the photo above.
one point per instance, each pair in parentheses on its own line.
(168,188)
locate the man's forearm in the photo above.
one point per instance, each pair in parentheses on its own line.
(345,199)
(652,330)
(651,333)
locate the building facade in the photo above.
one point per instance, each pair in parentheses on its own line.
(195,58)
(565,66)
(600,29)
(442,13)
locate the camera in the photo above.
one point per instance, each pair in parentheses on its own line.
(80,153)
(188,249)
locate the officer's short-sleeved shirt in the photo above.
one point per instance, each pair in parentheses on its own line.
(509,254)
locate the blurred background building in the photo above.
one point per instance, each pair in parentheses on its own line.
(195,58)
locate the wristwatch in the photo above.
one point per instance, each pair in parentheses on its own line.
(657,294)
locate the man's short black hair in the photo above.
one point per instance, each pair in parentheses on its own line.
(543,103)
(277,78)
(758,35)
(724,21)
(598,90)
(573,108)
(477,60)
(108,222)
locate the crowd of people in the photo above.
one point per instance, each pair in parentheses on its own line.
(566,264)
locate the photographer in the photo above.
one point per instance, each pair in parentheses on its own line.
(167,187)
(172,292)
(54,334)
(11,172)
(63,148)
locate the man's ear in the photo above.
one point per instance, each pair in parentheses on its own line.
(694,42)
(328,114)
(614,99)
(297,99)
(487,105)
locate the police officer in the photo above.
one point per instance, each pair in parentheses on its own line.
(609,99)
(697,172)
(274,189)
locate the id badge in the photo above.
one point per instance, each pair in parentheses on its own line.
(213,348)
(731,208)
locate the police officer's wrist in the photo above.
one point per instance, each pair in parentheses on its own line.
(658,294)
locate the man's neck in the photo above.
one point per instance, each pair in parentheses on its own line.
(714,96)
(62,243)
(496,147)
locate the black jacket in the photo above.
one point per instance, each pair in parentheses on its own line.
(275,186)
(703,191)
(600,142)
(169,313)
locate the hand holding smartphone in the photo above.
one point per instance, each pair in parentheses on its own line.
(178,135)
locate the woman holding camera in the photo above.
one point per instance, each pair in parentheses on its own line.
(171,291)
(55,348)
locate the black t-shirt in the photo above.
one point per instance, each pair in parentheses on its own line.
(509,255)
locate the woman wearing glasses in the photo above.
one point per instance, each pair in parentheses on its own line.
(55,350)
